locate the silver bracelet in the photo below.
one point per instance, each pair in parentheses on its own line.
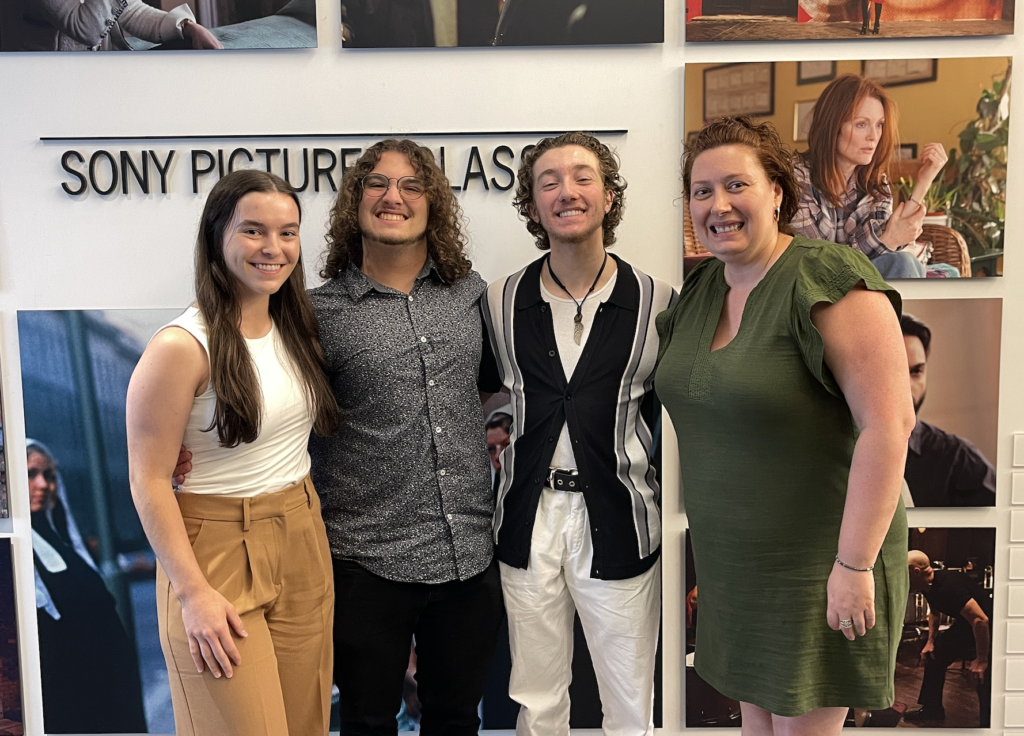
(851,567)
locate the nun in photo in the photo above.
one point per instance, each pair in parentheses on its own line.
(89,670)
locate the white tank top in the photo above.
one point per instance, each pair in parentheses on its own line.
(278,457)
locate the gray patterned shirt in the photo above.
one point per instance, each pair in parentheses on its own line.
(405,482)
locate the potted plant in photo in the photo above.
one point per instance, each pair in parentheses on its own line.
(936,200)
(978,207)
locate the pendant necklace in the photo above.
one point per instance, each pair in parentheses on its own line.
(577,328)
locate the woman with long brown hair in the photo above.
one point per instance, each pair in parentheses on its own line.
(244,588)
(846,197)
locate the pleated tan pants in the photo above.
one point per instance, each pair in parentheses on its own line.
(269,556)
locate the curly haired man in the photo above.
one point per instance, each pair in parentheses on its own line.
(577,524)
(406,480)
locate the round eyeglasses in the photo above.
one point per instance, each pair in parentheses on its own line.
(409,187)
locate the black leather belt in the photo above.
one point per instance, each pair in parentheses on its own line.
(560,479)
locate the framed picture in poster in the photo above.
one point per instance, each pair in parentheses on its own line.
(803,114)
(810,72)
(739,89)
(897,72)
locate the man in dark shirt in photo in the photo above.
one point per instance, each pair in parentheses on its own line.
(942,469)
(577,522)
(405,481)
(498,429)
(954,594)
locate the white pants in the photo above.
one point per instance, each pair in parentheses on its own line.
(620,619)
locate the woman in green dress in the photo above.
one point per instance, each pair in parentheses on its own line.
(783,369)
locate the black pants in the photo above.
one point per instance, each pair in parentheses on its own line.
(957,642)
(455,625)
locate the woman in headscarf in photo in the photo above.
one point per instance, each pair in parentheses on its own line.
(845,194)
(89,669)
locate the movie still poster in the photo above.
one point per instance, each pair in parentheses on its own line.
(953,358)
(798,20)
(10,673)
(943,672)
(903,159)
(440,23)
(141,25)
(100,658)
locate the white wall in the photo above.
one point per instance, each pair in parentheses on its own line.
(58,252)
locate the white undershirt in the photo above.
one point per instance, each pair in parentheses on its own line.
(563,313)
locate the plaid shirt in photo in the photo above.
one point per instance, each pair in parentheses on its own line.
(859,221)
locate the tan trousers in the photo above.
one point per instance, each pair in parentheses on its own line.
(270,558)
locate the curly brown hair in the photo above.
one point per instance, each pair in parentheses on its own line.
(774,157)
(446,243)
(613,182)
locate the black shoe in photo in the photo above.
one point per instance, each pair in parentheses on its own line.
(925,713)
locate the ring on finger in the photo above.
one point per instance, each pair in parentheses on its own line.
(846,623)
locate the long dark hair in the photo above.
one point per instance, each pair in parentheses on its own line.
(446,243)
(835,106)
(239,409)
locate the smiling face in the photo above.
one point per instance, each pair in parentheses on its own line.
(261,243)
(732,202)
(42,481)
(569,196)
(392,219)
(859,136)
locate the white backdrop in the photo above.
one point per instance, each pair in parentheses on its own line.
(60,252)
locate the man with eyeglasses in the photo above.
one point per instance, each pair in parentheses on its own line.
(405,482)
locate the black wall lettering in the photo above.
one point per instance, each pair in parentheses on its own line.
(268,154)
(345,153)
(162,168)
(319,170)
(305,170)
(478,173)
(112,162)
(231,158)
(82,181)
(196,170)
(142,179)
(508,170)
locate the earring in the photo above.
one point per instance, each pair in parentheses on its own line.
(776,212)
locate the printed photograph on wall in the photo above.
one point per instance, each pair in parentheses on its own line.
(100,659)
(138,25)
(439,23)
(942,679)
(918,185)
(953,357)
(10,673)
(797,20)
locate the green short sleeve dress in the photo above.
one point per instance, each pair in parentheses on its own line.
(765,443)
